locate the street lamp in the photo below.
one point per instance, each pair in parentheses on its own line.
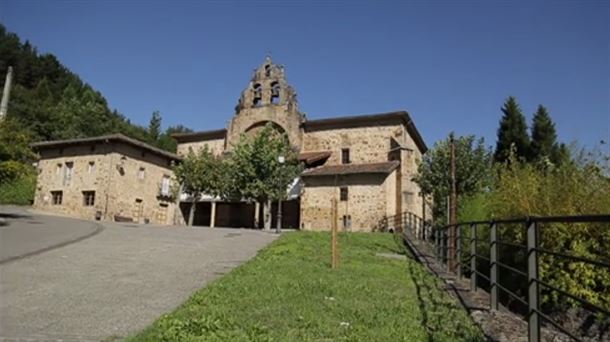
(278,228)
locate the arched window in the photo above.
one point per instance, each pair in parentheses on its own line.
(258,95)
(275,93)
(267,70)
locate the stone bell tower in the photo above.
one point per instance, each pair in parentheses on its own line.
(267,98)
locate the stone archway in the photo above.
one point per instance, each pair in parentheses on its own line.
(258,126)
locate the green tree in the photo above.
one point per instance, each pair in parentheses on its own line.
(544,137)
(255,172)
(512,133)
(200,173)
(166,141)
(154,127)
(473,166)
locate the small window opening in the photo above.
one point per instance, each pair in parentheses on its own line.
(347,222)
(267,70)
(141,173)
(343,193)
(258,95)
(88,198)
(345,156)
(275,93)
(91,167)
(57,197)
(68,171)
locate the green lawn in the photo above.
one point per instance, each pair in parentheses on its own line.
(289,293)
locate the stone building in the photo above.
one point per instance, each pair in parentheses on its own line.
(366,162)
(110,177)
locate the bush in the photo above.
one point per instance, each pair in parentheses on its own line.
(19,190)
(577,188)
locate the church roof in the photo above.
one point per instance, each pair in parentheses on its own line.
(354,121)
(312,157)
(199,136)
(104,139)
(350,169)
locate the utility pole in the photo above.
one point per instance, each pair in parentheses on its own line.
(6,93)
(453,210)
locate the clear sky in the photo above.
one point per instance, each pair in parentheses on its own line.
(451,64)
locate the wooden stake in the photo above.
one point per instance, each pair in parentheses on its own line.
(333,241)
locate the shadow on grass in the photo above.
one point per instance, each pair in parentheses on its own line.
(440,316)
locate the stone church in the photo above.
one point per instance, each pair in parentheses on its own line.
(366,162)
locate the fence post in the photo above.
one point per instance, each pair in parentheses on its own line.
(423,229)
(437,242)
(473,258)
(444,244)
(458,250)
(493,256)
(533,292)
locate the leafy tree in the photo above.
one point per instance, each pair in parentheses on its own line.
(255,173)
(200,173)
(154,127)
(473,165)
(166,141)
(578,188)
(512,132)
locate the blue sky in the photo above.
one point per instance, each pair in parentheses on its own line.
(451,64)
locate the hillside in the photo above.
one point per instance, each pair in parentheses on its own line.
(48,102)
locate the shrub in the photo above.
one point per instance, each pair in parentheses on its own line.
(19,190)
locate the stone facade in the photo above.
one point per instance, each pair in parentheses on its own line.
(355,154)
(108,177)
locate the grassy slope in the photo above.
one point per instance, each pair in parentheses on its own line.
(284,295)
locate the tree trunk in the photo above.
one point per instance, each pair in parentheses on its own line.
(267,214)
(192,211)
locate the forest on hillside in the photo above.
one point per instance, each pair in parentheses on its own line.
(49,102)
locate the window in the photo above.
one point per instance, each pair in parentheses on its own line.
(88,198)
(141,173)
(68,171)
(343,193)
(165,186)
(267,70)
(58,170)
(347,221)
(91,167)
(345,156)
(57,197)
(275,93)
(258,95)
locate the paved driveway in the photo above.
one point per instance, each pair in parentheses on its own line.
(92,282)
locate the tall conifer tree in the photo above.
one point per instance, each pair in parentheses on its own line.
(513,130)
(544,137)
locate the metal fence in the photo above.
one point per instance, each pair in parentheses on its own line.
(479,259)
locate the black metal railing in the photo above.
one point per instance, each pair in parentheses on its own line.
(467,248)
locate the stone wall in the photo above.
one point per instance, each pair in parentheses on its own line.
(366,201)
(51,174)
(216,146)
(115,191)
(370,145)
(366,144)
